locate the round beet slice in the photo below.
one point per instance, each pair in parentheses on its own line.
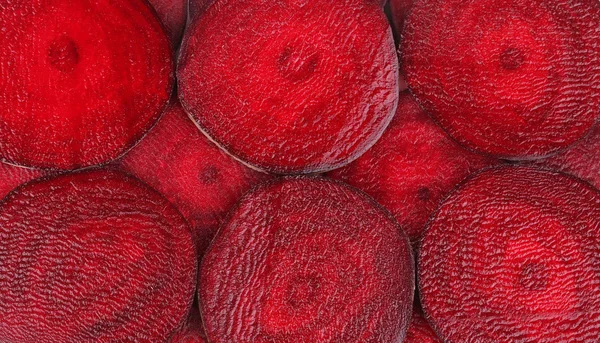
(412,167)
(194,174)
(513,255)
(173,14)
(81,82)
(290,86)
(581,160)
(419,330)
(95,256)
(516,79)
(307,260)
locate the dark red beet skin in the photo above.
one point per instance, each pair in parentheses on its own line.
(12,176)
(82,80)
(412,167)
(512,256)
(516,79)
(95,256)
(581,160)
(290,86)
(307,260)
(173,14)
(419,330)
(194,174)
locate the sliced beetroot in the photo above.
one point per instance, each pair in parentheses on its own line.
(95,256)
(307,260)
(195,175)
(81,80)
(581,160)
(419,330)
(12,176)
(192,331)
(513,255)
(516,79)
(173,14)
(412,167)
(290,86)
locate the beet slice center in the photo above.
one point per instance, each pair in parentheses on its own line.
(290,87)
(517,247)
(307,260)
(82,81)
(515,79)
(95,256)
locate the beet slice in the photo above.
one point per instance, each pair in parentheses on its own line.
(81,80)
(192,331)
(173,14)
(516,79)
(513,255)
(412,167)
(581,160)
(201,180)
(307,260)
(288,86)
(12,176)
(419,330)
(94,256)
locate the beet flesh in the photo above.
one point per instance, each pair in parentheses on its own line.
(515,79)
(513,256)
(288,86)
(173,14)
(82,80)
(93,256)
(12,176)
(201,180)
(419,330)
(192,331)
(412,167)
(307,260)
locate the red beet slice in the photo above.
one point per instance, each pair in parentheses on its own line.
(307,260)
(81,80)
(95,256)
(419,330)
(516,79)
(412,167)
(295,88)
(173,14)
(581,160)
(194,174)
(12,176)
(192,332)
(513,255)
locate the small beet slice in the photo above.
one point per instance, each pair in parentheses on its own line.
(192,331)
(290,86)
(513,256)
(581,160)
(195,175)
(307,260)
(82,80)
(419,330)
(173,14)
(95,256)
(412,167)
(12,176)
(516,79)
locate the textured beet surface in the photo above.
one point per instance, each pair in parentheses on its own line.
(581,160)
(11,177)
(192,331)
(95,256)
(173,14)
(200,179)
(419,330)
(307,260)
(412,167)
(513,256)
(81,80)
(517,79)
(290,86)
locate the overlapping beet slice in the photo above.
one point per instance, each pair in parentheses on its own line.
(513,256)
(81,81)
(12,176)
(412,167)
(194,174)
(419,330)
(517,79)
(581,160)
(94,256)
(290,86)
(173,14)
(307,260)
